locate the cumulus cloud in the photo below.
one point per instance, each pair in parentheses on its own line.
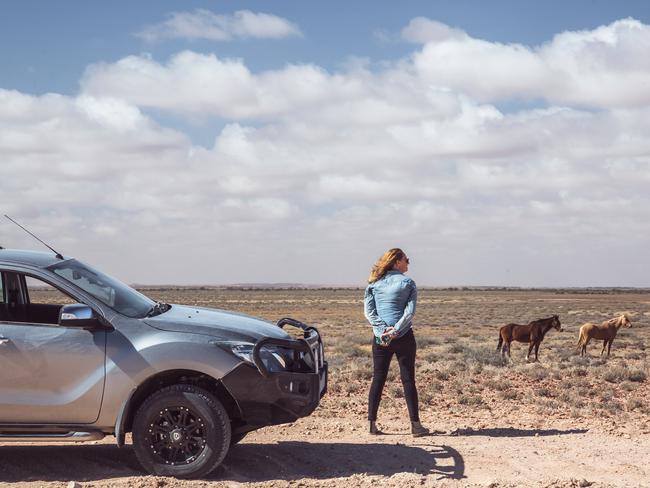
(421,30)
(602,68)
(313,167)
(204,24)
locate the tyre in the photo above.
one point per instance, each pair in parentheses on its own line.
(181,431)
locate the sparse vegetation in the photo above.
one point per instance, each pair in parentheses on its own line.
(458,365)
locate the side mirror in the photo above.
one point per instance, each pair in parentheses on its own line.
(81,316)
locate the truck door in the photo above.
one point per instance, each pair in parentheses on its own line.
(48,373)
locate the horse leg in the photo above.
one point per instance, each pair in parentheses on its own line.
(609,347)
(536,350)
(604,344)
(530,348)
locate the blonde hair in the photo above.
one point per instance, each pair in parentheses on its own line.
(385,263)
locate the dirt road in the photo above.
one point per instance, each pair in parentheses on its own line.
(321,453)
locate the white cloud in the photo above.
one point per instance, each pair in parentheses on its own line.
(606,67)
(314,166)
(204,24)
(421,30)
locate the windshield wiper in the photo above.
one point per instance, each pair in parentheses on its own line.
(158,308)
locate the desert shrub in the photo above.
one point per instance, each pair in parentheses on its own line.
(459,365)
(351,387)
(606,395)
(434,387)
(564,354)
(636,375)
(575,413)
(497,385)
(586,391)
(457,387)
(615,374)
(425,397)
(483,355)
(580,361)
(612,406)
(573,382)
(424,341)
(356,351)
(430,355)
(558,375)
(473,400)
(360,372)
(635,404)
(545,392)
(509,394)
(547,407)
(537,373)
(579,372)
(456,349)
(358,339)
(627,386)
(441,375)
(572,398)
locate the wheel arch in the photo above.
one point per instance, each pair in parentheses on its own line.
(162,379)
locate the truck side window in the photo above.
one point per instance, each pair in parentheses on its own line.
(44,305)
(43,293)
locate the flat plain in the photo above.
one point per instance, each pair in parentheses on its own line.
(561,422)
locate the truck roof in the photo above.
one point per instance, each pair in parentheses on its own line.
(32,258)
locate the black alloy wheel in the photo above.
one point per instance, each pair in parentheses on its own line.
(177,435)
(181,431)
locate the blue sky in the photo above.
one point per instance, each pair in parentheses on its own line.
(499,143)
(45,46)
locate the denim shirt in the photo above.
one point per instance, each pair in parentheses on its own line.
(390,302)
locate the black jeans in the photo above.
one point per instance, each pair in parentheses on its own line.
(404,348)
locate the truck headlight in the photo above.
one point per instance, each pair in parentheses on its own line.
(276,359)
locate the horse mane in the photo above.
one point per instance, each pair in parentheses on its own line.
(546,319)
(617,320)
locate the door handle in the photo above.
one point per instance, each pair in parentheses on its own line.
(3,341)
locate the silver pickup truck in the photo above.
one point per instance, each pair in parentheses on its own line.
(187,382)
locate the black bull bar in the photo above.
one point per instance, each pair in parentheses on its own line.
(310,345)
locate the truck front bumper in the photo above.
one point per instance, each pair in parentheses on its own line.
(269,398)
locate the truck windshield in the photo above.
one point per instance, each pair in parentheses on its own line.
(111,292)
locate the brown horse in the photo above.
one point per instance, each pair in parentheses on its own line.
(605,332)
(532,333)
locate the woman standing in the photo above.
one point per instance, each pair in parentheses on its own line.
(389,306)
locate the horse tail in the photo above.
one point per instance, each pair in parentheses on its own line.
(500,341)
(581,336)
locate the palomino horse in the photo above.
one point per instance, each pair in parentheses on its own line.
(532,333)
(605,332)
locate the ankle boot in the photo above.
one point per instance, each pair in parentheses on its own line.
(418,430)
(372,428)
